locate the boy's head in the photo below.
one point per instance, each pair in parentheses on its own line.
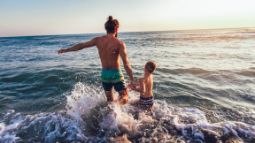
(111,25)
(150,66)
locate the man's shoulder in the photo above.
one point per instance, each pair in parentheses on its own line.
(121,43)
(98,38)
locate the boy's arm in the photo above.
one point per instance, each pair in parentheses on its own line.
(123,55)
(79,46)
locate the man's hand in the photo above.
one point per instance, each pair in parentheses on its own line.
(133,85)
(61,51)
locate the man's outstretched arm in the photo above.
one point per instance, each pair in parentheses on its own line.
(123,55)
(79,46)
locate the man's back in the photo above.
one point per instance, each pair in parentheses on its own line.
(109,51)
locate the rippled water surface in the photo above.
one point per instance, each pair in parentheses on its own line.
(204,89)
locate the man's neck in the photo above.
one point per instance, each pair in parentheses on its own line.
(111,34)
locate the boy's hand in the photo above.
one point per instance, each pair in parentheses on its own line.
(133,85)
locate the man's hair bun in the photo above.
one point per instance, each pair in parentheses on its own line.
(111,25)
(110,18)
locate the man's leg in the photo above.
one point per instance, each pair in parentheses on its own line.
(109,96)
(123,96)
(122,90)
(108,91)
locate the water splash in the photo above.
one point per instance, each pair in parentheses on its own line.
(87,118)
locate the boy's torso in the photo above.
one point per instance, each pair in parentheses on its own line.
(147,87)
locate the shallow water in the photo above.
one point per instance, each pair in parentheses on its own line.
(204,87)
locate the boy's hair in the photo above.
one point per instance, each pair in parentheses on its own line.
(150,66)
(111,25)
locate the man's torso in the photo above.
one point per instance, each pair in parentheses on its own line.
(109,52)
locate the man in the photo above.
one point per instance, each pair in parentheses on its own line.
(110,49)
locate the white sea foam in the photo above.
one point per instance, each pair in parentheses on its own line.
(190,122)
(83,99)
(89,119)
(46,127)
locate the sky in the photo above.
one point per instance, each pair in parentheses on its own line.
(45,17)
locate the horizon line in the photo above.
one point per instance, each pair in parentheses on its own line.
(127,32)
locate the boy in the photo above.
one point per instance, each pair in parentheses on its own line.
(145,86)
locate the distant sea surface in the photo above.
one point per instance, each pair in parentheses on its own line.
(204,89)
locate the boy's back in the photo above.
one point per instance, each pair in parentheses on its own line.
(146,84)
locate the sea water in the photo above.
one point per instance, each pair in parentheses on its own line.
(204,89)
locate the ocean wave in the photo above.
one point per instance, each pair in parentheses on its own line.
(193,71)
(44,127)
(250,72)
(88,119)
(196,37)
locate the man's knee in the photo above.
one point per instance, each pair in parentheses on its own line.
(123,92)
